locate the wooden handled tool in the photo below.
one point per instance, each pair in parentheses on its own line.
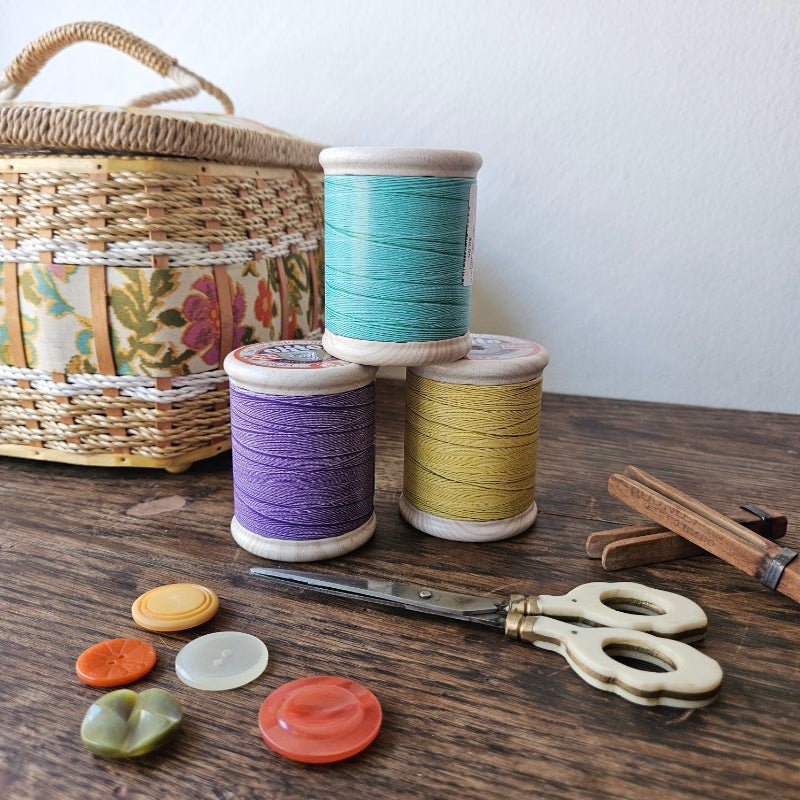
(775,566)
(638,545)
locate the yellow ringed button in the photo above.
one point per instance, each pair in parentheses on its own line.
(175,607)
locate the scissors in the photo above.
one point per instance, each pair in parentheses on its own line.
(592,626)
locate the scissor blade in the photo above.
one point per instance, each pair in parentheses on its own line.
(425,599)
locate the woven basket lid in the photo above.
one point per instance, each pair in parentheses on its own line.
(37,127)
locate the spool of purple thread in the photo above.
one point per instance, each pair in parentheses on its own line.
(303,448)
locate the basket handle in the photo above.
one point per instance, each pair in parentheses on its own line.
(36,54)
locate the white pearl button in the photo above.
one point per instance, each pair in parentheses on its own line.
(222,660)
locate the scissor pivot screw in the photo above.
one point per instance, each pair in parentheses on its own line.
(425,594)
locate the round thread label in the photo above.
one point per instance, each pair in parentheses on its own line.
(487,346)
(300,354)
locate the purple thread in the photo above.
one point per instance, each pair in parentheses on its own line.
(303,467)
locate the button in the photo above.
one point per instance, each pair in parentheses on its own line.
(320,719)
(222,660)
(175,607)
(124,724)
(115,662)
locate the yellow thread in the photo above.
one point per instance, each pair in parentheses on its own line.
(470,451)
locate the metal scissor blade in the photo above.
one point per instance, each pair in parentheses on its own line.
(427,600)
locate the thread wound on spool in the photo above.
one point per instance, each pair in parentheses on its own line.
(303,449)
(470,451)
(398,256)
(303,467)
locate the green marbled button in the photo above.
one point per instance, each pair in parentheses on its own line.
(124,724)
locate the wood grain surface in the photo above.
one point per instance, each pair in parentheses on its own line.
(467,713)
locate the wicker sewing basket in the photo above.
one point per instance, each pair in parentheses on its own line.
(139,247)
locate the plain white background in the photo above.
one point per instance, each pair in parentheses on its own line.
(638,205)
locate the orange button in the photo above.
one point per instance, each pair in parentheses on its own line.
(175,607)
(320,719)
(115,662)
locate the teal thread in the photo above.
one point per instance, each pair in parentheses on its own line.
(394,257)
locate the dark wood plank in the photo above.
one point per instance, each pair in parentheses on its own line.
(467,713)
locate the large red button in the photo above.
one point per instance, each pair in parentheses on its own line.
(320,719)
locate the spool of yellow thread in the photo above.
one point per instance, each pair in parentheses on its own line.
(471,438)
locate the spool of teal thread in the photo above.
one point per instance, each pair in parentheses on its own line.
(399,238)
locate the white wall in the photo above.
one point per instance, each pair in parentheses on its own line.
(638,206)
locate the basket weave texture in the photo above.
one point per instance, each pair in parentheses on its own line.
(128,274)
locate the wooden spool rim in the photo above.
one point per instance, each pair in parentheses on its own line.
(467,530)
(396,354)
(493,360)
(261,368)
(307,550)
(402,161)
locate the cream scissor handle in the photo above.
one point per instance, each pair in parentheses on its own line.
(621,605)
(691,678)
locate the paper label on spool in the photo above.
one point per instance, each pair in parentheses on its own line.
(291,355)
(489,346)
(469,244)
(294,367)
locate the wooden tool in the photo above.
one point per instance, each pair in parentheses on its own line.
(638,545)
(775,566)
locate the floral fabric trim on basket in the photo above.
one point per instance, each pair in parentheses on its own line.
(162,322)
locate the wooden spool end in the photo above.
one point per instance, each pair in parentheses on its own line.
(396,354)
(492,360)
(308,550)
(463,530)
(296,367)
(401,161)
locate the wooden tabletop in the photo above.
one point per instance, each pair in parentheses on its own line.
(467,712)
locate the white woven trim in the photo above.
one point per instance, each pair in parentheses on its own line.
(8,89)
(138,253)
(140,387)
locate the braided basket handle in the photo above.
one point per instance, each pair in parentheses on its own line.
(36,54)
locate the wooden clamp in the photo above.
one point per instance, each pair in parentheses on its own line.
(778,568)
(639,545)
